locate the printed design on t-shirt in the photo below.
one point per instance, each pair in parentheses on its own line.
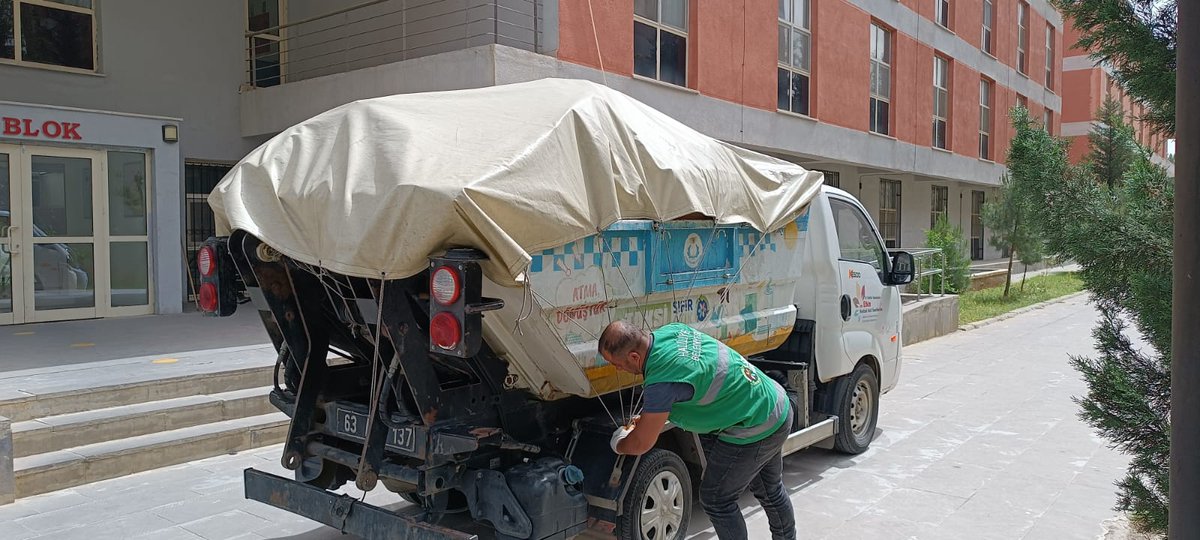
(688,344)
(750,374)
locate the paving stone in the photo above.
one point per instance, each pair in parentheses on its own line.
(119,529)
(225,525)
(917,506)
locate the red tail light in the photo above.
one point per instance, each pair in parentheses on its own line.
(444,331)
(206,261)
(208,297)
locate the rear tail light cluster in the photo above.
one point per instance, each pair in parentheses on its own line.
(216,294)
(456,304)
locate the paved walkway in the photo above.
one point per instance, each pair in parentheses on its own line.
(41,345)
(980,441)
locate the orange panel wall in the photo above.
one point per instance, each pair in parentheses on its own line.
(964,114)
(967,21)
(843,65)
(723,50)
(614,26)
(912,90)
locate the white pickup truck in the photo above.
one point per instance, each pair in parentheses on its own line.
(435,269)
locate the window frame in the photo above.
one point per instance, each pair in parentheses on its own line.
(886,212)
(660,27)
(988,37)
(788,67)
(938,196)
(834,175)
(978,200)
(879,65)
(279,38)
(1048,120)
(1023,38)
(941,92)
(941,14)
(17,59)
(987,90)
(1049,57)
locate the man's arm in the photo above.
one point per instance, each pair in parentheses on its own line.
(645,432)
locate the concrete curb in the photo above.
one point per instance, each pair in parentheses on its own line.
(8,486)
(1015,312)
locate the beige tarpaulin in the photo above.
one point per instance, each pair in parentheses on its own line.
(376,186)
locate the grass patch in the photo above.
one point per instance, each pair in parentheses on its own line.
(976,306)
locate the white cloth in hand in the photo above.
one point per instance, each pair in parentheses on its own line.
(618,435)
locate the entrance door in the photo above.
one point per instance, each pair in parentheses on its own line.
(11,305)
(74,242)
(59,234)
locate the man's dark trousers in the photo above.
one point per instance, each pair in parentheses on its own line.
(731,469)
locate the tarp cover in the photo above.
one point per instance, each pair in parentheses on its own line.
(377,186)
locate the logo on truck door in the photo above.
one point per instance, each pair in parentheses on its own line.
(693,250)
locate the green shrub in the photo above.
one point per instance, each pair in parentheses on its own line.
(949,239)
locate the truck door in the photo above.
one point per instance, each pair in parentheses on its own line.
(865,303)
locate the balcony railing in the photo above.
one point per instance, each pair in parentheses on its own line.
(378,32)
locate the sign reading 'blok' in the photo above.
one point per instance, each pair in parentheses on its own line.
(50,129)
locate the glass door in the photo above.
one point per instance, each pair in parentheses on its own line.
(11,297)
(61,236)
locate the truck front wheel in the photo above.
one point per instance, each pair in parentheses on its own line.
(856,403)
(659,503)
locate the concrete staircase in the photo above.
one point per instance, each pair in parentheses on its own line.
(83,435)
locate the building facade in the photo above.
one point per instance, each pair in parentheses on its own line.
(1086,85)
(119,116)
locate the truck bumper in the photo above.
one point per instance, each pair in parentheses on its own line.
(341,512)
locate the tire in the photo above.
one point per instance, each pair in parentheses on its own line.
(856,404)
(659,503)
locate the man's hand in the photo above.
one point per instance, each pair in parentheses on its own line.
(641,436)
(618,435)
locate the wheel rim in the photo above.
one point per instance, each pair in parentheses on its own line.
(861,406)
(662,507)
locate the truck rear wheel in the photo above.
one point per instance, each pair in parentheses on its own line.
(659,503)
(856,403)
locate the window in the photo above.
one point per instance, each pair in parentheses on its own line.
(1022,102)
(1022,36)
(942,12)
(977,225)
(856,238)
(889,212)
(50,32)
(832,179)
(1048,120)
(660,40)
(985,119)
(989,13)
(1049,56)
(939,204)
(795,51)
(881,78)
(264,18)
(941,100)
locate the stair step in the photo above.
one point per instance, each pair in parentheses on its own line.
(54,433)
(39,393)
(52,471)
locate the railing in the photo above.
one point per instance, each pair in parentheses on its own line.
(378,32)
(929,263)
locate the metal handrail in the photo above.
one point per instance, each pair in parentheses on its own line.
(924,260)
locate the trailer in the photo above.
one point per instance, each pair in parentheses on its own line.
(435,269)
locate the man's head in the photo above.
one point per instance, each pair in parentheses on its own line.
(625,346)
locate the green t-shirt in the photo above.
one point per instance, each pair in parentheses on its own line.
(732,398)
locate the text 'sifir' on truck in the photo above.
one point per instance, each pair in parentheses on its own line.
(458,367)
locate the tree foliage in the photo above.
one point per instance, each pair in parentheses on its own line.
(949,239)
(1137,38)
(1122,239)
(1111,145)
(1008,220)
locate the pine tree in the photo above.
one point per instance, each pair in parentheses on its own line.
(1110,141)
(1122,239)
(1009,222)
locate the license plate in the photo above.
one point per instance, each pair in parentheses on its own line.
(354,425)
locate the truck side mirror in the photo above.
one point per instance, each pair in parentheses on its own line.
(902,269)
